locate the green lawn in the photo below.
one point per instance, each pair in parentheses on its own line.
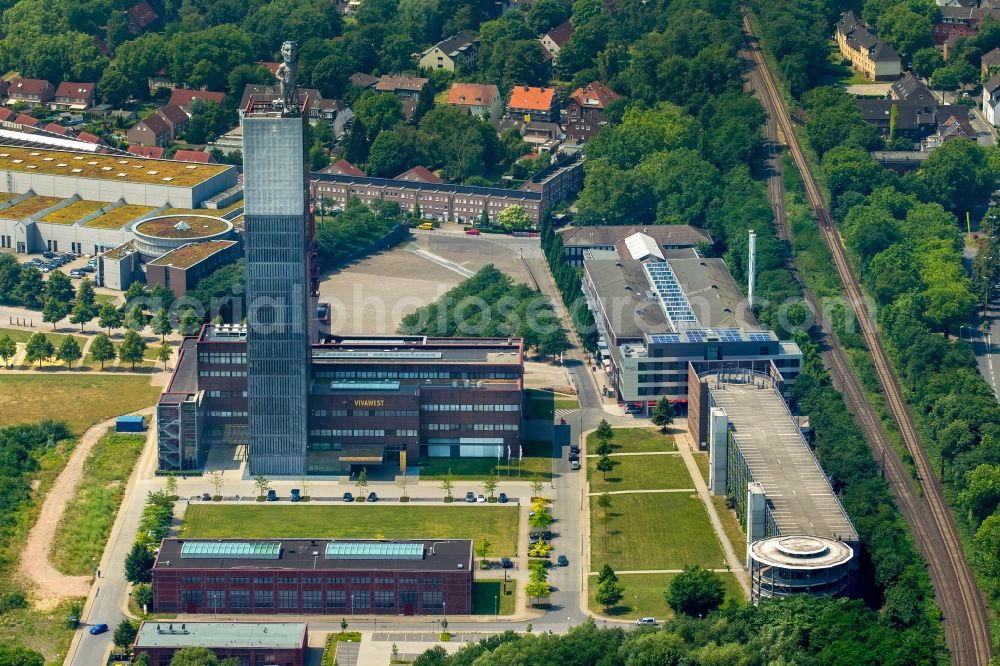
(17,335)
(543,404)
(644,595)
(80,400)
(486,594)
(730,524)
(87,521)
(152,349)
(835,72)
(701,459)
(635,440)
(537,459)
(357,521)
(639,473)
(653,531)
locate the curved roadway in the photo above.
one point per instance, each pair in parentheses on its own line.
(965,618)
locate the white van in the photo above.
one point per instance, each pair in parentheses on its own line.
(645,621)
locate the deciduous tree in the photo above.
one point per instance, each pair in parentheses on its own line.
(38,349)
(132,349)
(695,592)
(102,350)
(69,351)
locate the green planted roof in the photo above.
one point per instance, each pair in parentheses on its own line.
(247,550)
(373,550)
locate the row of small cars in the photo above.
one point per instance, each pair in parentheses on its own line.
(53,260)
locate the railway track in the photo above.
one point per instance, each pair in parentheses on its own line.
(965,618)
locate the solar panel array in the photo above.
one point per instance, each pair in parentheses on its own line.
(675,304)
(244,550)
(702,335)
(373,550)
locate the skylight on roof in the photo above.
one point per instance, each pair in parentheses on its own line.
(373,550)
(152,173)
(167,178)
(77,170)
(78,157)
(17,161)
(105,168)
(191,166)
(203,550)
(92,163)
(47,159)
(4,154)
(61,164)
(34,154)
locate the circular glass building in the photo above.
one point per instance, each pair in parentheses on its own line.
(785,565)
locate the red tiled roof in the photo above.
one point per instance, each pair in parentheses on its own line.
(561,33)
(142,14)
(194,156)
(343,168)
(7,114)
(155,152)
(394,83)
(55,128)
(23,119)
(174,114)
(419,174)
(88,137)
(29,86)
(183,97)
(269,66)
(472,94)
(595,95)
(81,91)
(531,98)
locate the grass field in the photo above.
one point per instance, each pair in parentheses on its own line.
(357,521)
(835,72)
(653,531)
(644,595)
(87,521)
(17,335)
(635,440)
(701,459)
(43,631)
(730,524)
(537,459)
(487,593)
(152,349)
(639,473)
(543,404)
(80,400)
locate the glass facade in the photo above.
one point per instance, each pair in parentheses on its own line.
(277,282)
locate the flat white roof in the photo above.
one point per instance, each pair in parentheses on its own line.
(283,635)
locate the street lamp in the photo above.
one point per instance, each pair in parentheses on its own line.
(496,607)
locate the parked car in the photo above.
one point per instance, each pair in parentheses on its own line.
(481,499)
(372,497)
(563,561)
(574,456)
(272,496)
(545,534)
(348,497)
(574,464)
(206,497)
(426,226)
(502,498)
(645,621)
(76,273)
(470,497)
(48,254)
(294,496)
(472,232)
(98,629)
(506,563)
(573,448)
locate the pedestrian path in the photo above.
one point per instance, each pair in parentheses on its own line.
(654,571)
(563,413)
(647,453)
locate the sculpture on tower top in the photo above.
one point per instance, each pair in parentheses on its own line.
(286,75)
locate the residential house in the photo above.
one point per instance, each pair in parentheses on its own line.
(476,98)
(911,89)
(194,156)
(175,118)
(153,152)
(533,103)
(140,17)
(76,96)
(89,138)
(343,168)
(455,54)
(24,120)
(419,174)
(543,135)
(362,80)
(56,128)
(914,120)
(160,80)
(957,3)
(990,63)
(183,97)
(151,131)
(32,92)
(557,37)
(585,111)
(402,86)
(991,99)
(960,22)
(956,128)
(869,55)
(8,118)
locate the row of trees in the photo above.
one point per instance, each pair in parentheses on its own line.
(342,235)
(569,282)
(491,304)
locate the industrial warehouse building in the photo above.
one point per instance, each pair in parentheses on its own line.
(253,643)
(656,310)
(314,576)
(369,399)
(799,538)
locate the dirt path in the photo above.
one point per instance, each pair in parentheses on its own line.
(51,586)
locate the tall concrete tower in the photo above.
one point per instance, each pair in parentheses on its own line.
(278,228)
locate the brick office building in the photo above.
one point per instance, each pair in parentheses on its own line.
(314,576)
(253,643)
(370,399)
